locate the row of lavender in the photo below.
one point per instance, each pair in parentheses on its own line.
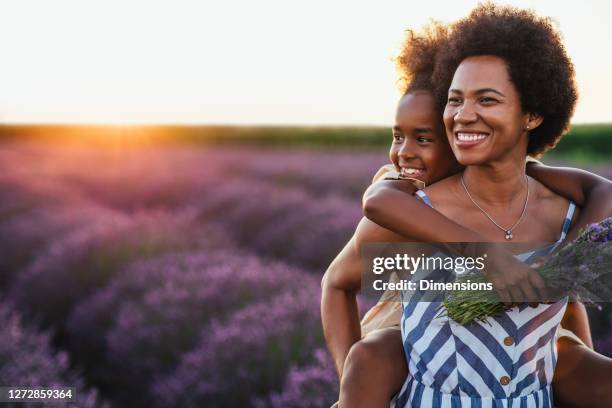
(141,263)
(182,328)
(130,262)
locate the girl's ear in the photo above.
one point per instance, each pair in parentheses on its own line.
(533,121)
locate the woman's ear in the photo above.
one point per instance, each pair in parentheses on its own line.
(533,121)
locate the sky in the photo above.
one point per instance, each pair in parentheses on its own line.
(316,62)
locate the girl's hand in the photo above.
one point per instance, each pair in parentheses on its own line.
(383,172)
(408,186)
(514,281)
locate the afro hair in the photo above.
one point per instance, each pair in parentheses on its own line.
(537,62)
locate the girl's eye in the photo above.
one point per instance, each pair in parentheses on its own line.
(422,139)
(398,137)
(454,101)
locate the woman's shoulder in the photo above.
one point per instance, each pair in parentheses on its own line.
(546,196)
(443,192)
(550,204)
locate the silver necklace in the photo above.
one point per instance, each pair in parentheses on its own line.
(507,231)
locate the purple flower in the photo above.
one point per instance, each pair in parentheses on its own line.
(75,265)
(246,354)
(138,326)
(28,359)
(313,385)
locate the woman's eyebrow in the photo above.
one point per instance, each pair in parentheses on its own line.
(479,91)
(485,90)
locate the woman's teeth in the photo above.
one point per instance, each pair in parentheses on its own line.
(469,137)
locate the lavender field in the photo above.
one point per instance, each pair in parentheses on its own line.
(177,275)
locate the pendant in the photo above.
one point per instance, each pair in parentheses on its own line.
(508,235)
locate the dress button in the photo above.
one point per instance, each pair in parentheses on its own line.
(505,380)
(508,341)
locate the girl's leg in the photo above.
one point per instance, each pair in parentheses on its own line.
(374,370)
(583,377)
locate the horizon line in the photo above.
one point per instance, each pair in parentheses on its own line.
(216,124)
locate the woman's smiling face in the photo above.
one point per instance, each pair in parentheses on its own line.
(419,148)
(483,117)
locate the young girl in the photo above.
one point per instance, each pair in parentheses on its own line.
(375,367)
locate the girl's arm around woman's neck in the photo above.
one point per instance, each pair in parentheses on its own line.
(387,204)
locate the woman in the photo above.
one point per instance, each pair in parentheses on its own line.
(500,107)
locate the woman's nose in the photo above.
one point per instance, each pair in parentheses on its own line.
(465,114)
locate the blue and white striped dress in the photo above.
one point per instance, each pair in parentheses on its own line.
(508,362)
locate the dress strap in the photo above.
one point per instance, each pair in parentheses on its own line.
(421,194)
(567,221)
(566,224)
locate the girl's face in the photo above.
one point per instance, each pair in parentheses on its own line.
(419,148)
(483,117)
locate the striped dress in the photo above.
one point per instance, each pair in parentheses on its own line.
(507,362)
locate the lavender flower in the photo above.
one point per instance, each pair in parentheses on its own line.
(85,259)
(139,325)
(247,354)
(314,385)
(27,359)
(298,238)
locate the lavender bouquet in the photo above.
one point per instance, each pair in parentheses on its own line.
(582,269)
